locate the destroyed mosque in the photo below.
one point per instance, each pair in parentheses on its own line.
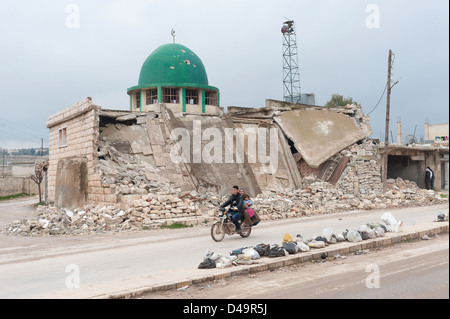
(176,137)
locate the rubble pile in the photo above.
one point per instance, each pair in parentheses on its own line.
(149,211)
(150,206)
(324,198)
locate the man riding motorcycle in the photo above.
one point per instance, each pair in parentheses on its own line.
(236,210)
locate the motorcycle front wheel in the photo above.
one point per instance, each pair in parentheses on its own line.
(217,231)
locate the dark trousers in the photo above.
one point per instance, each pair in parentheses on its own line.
(235,216)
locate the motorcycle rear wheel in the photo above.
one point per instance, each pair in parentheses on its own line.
(218,231)
(245,230)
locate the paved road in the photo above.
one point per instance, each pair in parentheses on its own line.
(416,270)
(31,267)
(413,273)
(17,209)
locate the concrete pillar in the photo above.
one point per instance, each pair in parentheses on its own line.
(203,100)
(399,133)
(446,172)
(159,93)
(427,136)
(183,99)
(437,171)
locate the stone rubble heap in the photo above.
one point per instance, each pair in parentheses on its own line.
(122,169)
(323,198)
(151,210)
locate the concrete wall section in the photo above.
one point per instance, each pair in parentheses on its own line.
(217,173)
(71,185)
(280,173)
(432,131)
(17,185)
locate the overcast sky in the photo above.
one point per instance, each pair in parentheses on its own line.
(49,62)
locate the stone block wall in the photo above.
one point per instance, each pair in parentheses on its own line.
(363,172)
(17,185)
(80,122)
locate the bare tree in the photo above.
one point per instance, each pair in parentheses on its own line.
(38,176)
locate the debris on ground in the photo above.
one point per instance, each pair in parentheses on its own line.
(148,204)
(442,217)
(289,245)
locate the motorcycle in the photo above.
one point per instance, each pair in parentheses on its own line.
(225,226)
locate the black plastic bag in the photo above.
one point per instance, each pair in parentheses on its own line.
(276,251)
(263,249)
(364,235)
(290,247)
(207,264)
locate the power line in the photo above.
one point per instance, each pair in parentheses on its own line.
(384,91)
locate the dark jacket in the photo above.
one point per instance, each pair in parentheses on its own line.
(429,175)
(235,200)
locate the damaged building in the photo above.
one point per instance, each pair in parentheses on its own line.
(409,158)
(176,137)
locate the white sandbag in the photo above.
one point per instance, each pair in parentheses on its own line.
(251,252)
(394,229)
(392,225)
(208,254)
(353,236)
(333,239)
(389,219)
(316,244)
(379,232)
(362,228)
(327,233)
(302,246)
(223,262)
(340,238)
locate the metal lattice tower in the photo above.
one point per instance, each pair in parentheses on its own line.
(291,75)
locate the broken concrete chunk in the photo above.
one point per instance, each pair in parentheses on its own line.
(127,117)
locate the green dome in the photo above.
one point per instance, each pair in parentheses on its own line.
(173,63)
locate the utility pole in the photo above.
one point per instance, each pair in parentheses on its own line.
(3,165)
(386,132)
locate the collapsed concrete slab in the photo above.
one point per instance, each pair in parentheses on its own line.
(318,135)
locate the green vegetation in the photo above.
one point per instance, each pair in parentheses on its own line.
(175,226)
(14,196)
(39,204)
(338,100)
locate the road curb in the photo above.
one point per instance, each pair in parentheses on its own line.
(412,233)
